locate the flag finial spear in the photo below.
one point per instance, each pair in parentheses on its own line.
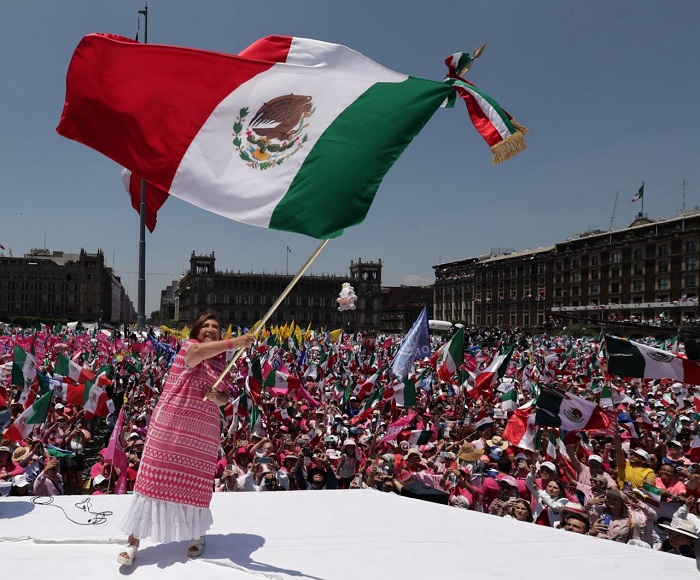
(477,53)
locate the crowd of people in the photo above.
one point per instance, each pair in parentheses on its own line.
(303,410)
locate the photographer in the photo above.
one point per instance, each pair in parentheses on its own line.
(320,476)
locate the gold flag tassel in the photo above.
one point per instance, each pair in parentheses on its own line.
(510,146)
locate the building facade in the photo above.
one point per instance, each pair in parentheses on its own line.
(401,305)
(646,272)
(244,298)
(61,286)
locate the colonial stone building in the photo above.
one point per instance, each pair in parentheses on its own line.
(244,298)
(61,286)
(401,305)
(646,272)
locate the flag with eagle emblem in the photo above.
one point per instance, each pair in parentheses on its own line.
(291,134)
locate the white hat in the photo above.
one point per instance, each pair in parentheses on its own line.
(642,453)
(99,479)
(594,457)
(685,527)
(59,406)
(20,480)
(549,465)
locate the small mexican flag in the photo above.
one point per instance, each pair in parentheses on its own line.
(640,193)
(69,369)
(521,429)
(653,495)
(23,368)
(33,415)
(451,356)
(420,437)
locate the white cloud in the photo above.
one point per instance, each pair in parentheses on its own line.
(416,280)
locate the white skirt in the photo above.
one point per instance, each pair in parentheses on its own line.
(164,521)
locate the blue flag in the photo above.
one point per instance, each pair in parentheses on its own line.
(415,345)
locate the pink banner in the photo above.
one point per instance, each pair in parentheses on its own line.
(393,430)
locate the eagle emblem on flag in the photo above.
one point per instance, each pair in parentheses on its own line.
(661,357)
(276,131)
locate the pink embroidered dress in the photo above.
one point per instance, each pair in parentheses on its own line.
(176,476)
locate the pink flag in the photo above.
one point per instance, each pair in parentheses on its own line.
(302,393)
(115,453)
(393,430)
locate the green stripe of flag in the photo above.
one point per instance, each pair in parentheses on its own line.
(345,167)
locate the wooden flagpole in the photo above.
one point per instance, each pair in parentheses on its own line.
(258,327)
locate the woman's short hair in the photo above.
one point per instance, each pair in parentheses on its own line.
(199,323)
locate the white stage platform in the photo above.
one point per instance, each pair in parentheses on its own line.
(333,535)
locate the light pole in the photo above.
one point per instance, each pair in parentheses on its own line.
(141,314)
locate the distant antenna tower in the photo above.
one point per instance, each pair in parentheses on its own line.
(612,217)
(684,186)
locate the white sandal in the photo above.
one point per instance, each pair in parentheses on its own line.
(196,548)
(130,551)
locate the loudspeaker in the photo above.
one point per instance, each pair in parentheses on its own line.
(692,349)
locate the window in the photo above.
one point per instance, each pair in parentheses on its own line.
(637,286)
(663,265)
(575,263)
(576,277)
(594,260)
(638,253)
(576,291)
(663,283)
(615,257)
(638,270)
(691,263)
(614,287)
(615,272)
(663,250)
(691,246)
(690,281)
(595,274)
(595,289)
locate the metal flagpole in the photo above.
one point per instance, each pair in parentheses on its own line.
(141,306)
(258,327)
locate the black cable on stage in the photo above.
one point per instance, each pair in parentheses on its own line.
(98,519)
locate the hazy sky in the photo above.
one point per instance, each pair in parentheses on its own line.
(607,89)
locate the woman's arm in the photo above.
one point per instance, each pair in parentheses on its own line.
(199,351)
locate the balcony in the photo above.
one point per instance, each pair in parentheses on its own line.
(633,306)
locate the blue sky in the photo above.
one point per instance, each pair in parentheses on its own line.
(607,89)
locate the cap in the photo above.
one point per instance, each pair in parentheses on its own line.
(59,406)
(496,453)
(99,479)
(521,456)
(548,465)
(675,443)
(642,453)
(20,480)
(508,480)
(596,458)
